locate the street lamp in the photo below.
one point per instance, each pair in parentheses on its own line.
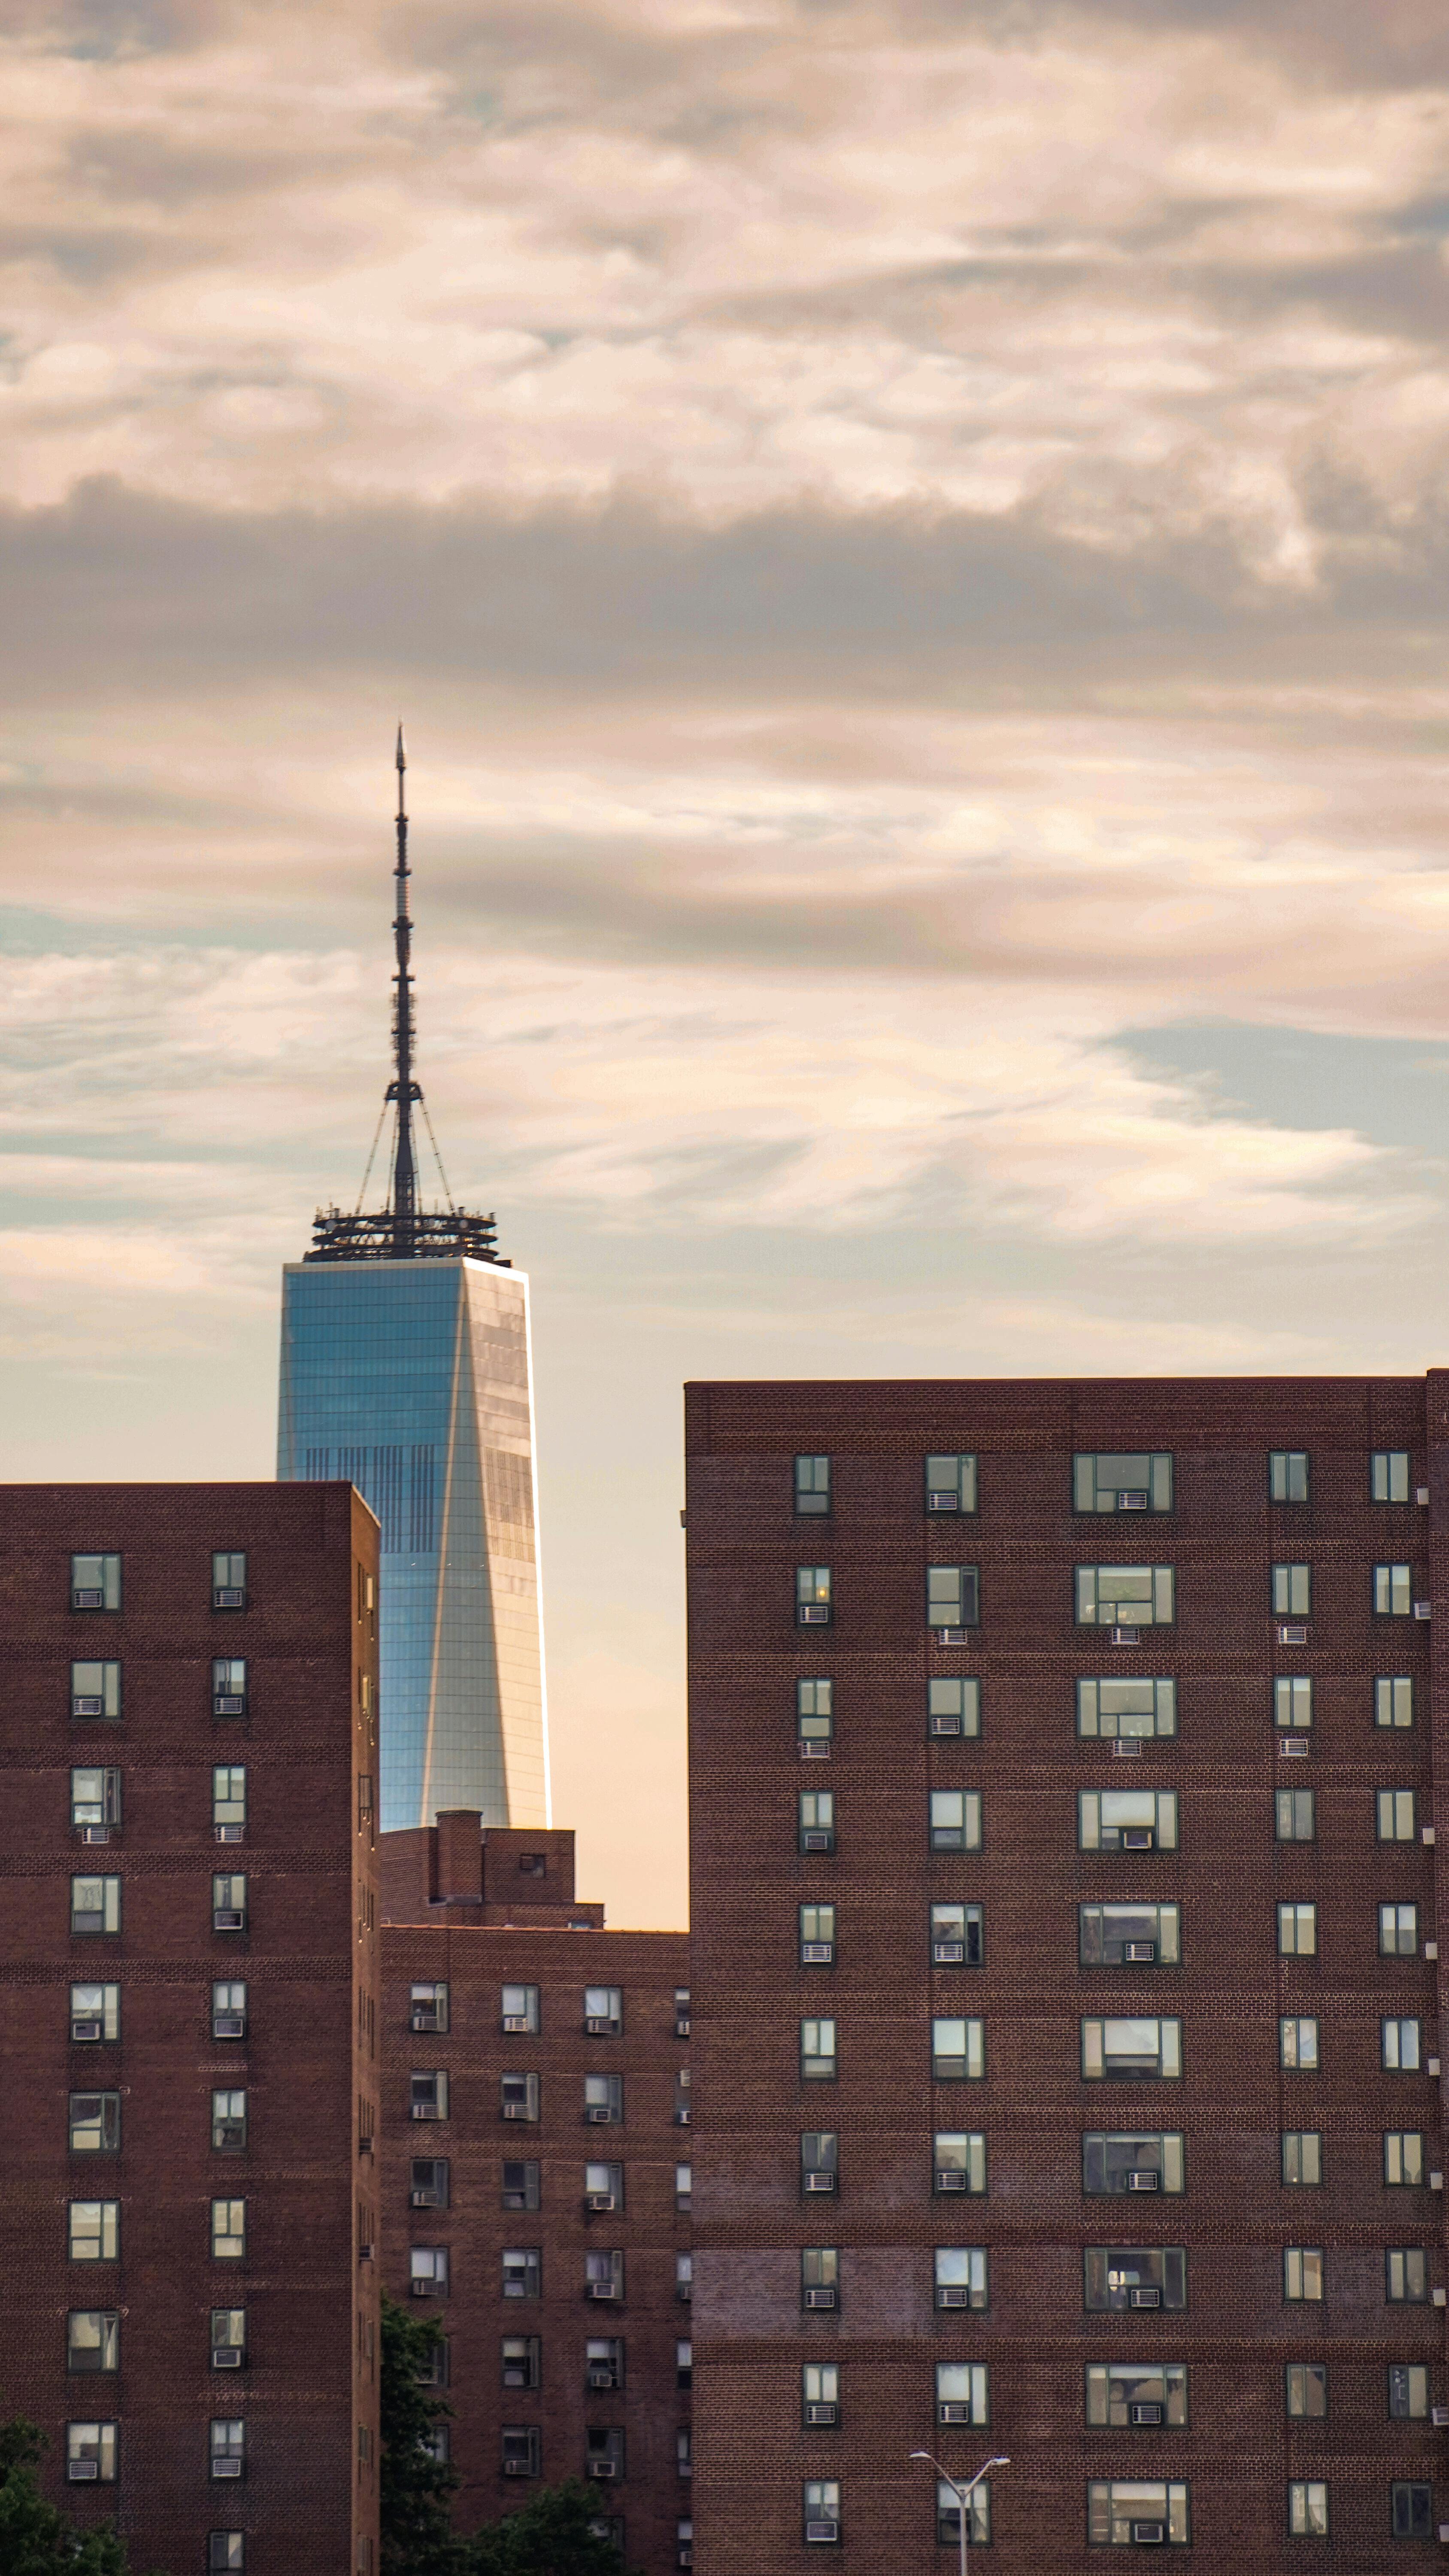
(962,2493)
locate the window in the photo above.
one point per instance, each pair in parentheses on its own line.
(228,1902)
(604,2100)
(1288,1475)
(1107,1706)
(604,2275)
(428,2182)
(428,2270)
(813,1604)
(684,2365)
(1308,2508)
(1128,1936)
(95,1690)
(1136,2396)
(819,2277)
(518,2097)
(1292,1591)
(953,1602)
(1295,1815)
(435,2368)
(226,2553)
(95,2013)
(93,2339)
(603,2011)
(228,2231)
(520,2185)
(684,2451)
(1403,2158)
(229,1579)
(1298,2044)
(948,2513)
(1394,1700)
(1389,1476)
(812,1485)
(1302,2272)
(95,1583)
(228,1801)
(955,1820)
(953,1705)
(1398,1931)
(604,2451)
(820,2507)
(683,2189)
(817,1820)
(228,1686)
(958,2051)
(1116,2161)
(1397,1815)
(1123,2510)
(951,1484)
(1140,1482)
(817,1936)
(228,2009)
(683,2543)
(522,2272)
(95,2231)
(603,2187)
(958,2161)
(228,2446)
(958,1936)
(819,2393)
(1305,2388)
(228,2338)
(228,2122)
(1121,2278)
(1406,2275)
(961,2276)
(521,2362)
(682,2111)
(819,2160)
(1127,1820)
(815,1711)
(520,2450)
(1408,2391)
(1292,1701)
(95,2124)
(1134,2050)
(518,2012)
(1298,1931)
(95,1905)
(681,2012)
(90,2453)
(95,1801)
(963,2392)
(1399,2046)
(1301,2156)
(1125,1596)
(1411,2509)
(1393,1591)
(428,2096)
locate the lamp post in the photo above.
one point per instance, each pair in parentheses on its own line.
(963,2494)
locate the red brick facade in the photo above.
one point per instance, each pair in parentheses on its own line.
(1239,2466)
(123,2155)
(446,2103)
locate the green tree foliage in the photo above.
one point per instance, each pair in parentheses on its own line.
(36,2539)
(414,2487)
(553,2534)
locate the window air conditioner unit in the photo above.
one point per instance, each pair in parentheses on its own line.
(87,1599)
(1138,1838)
(943,1502)
(1423,1609)
(954,2295)
(599,2201)
(596,2112)
(819,2178)
(226,2357)
(685,2558)
(602,2469)
(426,2111)
(681,2026)
(428,2199)
(602,2290)
(815,1840)
(425,2017)
(1142,1954)
(684,2292)
(948,1954)
(1142,2298)
(1126,1748)
(228,1918)
(519,2111)
(226,2468)
(822,2410)
(1439,2414)
(601,2026)
(814,1614)
(1294,1745)
(946,1723)
(228,1596)
(1141,2178)
(83,2469)
(515,2025)
(814,1748)
(950,2180)
(515,2468)
(1295,1633)
(822,2531)
(954,2410)
(682,2119)
(425,2289)
(85,2030)
(230,1833)
(953,1636)
(1124,1636)
(96,1833)
(819,2299)
(602,2375)
(229,2026)
(1421,1495)
(1133,1498)
(1146,2411)
(230,1704)
(817,1954)
(86,1707)
(1149,2535)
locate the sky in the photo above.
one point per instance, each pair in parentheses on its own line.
(911,544)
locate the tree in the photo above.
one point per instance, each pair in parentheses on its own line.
(414,2484)
(35,2538)
(554,2534)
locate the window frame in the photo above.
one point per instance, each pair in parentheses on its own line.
(814,1490)
(1158,1490)
(1287,1468)
(955,1492)
(1094,2057)
(1155,1609)
(109,1691)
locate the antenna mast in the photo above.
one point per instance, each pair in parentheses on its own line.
(403,1089)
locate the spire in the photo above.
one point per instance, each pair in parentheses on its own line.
(402,1230)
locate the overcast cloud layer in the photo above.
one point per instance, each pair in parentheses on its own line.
(912,542)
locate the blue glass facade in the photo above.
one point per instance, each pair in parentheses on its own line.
(414,1380)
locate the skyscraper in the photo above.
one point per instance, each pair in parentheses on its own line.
(406,1367)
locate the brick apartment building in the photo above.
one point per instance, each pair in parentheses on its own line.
(535,2175)
(188,2004)
(1065,1970)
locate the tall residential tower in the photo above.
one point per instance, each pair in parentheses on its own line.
(406,1368)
